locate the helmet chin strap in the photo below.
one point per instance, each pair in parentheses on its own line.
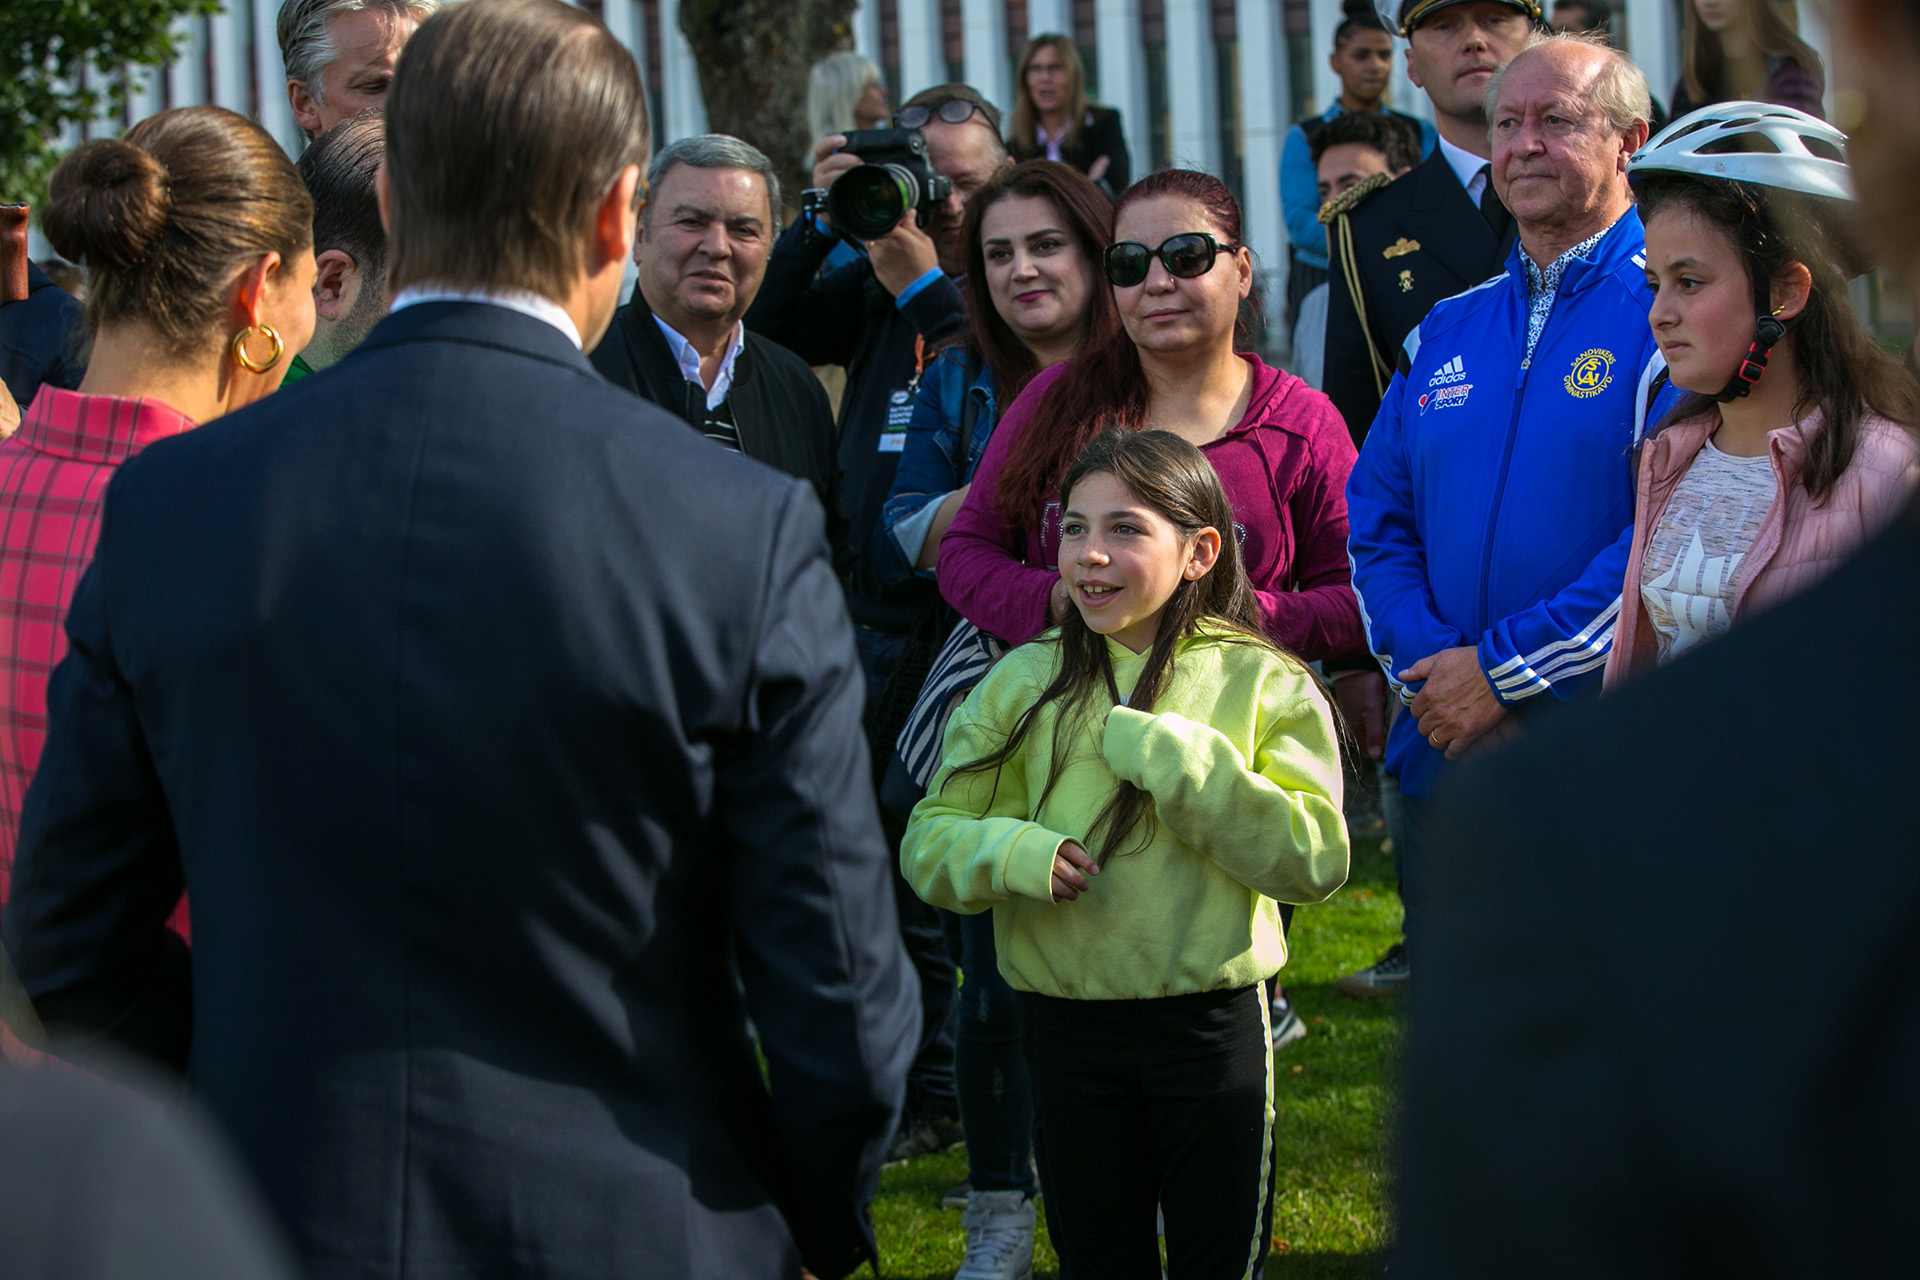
(1767,332)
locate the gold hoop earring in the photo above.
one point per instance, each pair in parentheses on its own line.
(239,348)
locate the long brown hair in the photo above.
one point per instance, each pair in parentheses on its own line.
(1026,121)
(1843,372)
(1173,478)
(166,218)
(1705,62)
(1105,385)
(1086,214)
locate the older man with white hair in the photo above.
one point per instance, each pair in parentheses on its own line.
(339,55)
(1492,501)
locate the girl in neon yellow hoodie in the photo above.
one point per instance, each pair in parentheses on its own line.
(1133,795)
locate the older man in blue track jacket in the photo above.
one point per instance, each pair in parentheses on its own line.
(1493,500)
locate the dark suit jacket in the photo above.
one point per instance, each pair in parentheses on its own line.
(1666,1022)
(1100,136)
(1426,206)
(506,736)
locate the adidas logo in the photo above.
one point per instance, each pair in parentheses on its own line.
(1448,373)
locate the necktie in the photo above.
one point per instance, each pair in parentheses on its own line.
(1491,209)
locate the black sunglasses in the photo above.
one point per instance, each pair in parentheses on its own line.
(1185,256)
(952,111)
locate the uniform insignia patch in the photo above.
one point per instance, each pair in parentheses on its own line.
(1406,282)
(1591,374)
(1400,248)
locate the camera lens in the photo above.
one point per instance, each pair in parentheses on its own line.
(868,201)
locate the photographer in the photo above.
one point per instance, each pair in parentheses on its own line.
(882,316)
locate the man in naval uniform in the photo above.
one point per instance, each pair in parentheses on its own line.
(1397,248)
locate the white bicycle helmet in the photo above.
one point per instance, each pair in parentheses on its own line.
(1752,142)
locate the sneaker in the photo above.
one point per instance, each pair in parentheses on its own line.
(920,1135)
(1287,1026)
(1387,977)
(999,1227)
(956,1196)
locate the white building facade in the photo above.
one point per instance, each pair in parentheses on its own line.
(1212,84)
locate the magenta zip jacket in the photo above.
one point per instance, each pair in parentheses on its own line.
(1284,468)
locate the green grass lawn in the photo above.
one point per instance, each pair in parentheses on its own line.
(1332,1095)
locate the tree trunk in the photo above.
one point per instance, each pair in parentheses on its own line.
(753,57)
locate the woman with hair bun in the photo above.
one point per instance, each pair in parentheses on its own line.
(197,236)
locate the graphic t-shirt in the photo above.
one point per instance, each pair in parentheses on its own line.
(1696,556)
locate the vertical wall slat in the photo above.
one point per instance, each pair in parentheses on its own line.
(1123,73)
(921,63)
(230,34)
(1045,16)
(1264,94)
(270,73)
(1190,89)
(986,50)
(684,108)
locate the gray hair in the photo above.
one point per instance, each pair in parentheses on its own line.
(834,85)
(1619,89)
(714,151)
(306,40)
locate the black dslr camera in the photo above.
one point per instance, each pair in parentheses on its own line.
(893,178)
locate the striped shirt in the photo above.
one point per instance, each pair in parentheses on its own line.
(53,478)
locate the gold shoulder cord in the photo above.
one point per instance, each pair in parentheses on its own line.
(1333,214)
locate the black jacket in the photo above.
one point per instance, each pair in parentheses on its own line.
(37,339)
(1666,1022)
(846,317)
(506,736)
(780,409)
(1101,135)
(1415,242)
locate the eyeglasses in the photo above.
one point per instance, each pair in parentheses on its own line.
(952,111)
(1185,256)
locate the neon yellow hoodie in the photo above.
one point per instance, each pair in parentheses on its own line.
(1244,769)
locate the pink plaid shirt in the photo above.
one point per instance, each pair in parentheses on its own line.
(53,478)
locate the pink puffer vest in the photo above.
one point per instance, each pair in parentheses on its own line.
(1798,543)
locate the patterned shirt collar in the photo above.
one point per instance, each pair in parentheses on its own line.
(100,429)
(1544,286)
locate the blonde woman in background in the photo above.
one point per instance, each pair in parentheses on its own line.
(1052,119)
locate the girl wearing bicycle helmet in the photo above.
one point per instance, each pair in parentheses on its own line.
(1793,445)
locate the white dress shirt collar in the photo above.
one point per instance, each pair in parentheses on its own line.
(689,360)
(1467,167)
(525,301)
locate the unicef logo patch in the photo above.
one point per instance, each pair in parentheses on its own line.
(1592,373)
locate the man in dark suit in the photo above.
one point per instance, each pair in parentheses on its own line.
(705,233)
(1666,1022)
(1398,249)
(506,738)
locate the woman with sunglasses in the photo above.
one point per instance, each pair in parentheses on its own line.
(1180,278)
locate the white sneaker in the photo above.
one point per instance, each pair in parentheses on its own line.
(999,1228)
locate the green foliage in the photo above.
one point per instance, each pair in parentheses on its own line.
(1333,1097)
(44,47)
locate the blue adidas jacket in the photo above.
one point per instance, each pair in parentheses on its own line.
(1492,504)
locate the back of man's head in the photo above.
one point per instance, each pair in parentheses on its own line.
(508,123)
(339,171)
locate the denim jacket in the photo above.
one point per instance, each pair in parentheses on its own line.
(928,469)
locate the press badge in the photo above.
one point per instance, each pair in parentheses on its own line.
(899,415)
